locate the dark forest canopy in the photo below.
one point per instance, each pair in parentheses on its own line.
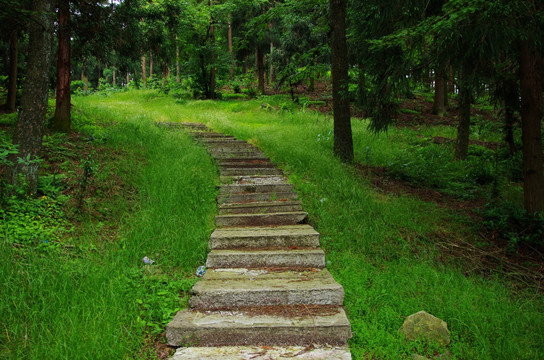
(459,48)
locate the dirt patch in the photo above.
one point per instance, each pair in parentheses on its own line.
(484,252)
(386,184)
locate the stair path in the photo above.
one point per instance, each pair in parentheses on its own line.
(266,294)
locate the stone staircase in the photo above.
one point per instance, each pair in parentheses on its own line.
(266,294)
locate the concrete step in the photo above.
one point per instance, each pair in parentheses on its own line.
(188,125)
(234,288)
(260,207)
(255,188)
(254,179)
(247,258)
(246,163)
(249,171)
(230,146)
(259,237)
(281,218)
(246,155)
(256,197)
(326,325)
(263,353)
(211,135)
(223,142)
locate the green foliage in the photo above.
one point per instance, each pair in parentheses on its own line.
(513,223)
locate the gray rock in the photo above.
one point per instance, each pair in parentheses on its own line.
(425,326)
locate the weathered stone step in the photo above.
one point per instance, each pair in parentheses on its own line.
(253,197)
(229,289)
(255,188)
(281,218)
(254,179)
(259,237)
(233,328)
(223,142)
(263,353)
(245,155)
(231,146)
(249,171)
(211,135)
(193,125)
(260,207)
(248,258)
(246,163)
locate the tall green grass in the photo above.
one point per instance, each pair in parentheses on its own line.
(95,299)
(381,248)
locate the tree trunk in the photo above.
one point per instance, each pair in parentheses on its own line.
(260,69)
(439,86)
(31,121)
(231,53)
(151,64)
(178,68)
(114,76)
(343,141)
(463,128)
(510,94)
(531,122)
(446,96)
(211,90)
(272,72)
(144,72)
(11,100)
(62,119)
(451,83)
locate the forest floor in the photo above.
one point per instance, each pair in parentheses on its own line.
(397,244)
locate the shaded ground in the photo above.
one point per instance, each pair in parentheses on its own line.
(484,252)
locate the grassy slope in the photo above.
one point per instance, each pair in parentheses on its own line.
(96,300)
(378,247)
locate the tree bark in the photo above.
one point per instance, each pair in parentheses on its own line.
(343,141)
(439,93)
(178,68)
(510,94)
(144,72)
(31,121)
(211,90)
(231,53)
(463,128)
(531,122)
(114,76)
(151,63)
(11,100)
(62,120)
(260,69)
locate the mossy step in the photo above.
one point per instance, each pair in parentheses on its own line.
(242,155)
(263,353)
(228,289)
(233,328)
(249,171)
(211,135)
(266,207)
(256,197)
(248,258)
(280,218)
(260,237)
(254,179)
(255,188)
(245,163)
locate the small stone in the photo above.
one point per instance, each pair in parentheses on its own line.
(425,326)
(419,357)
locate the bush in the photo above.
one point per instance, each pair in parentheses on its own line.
(77,87)
(514,223)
